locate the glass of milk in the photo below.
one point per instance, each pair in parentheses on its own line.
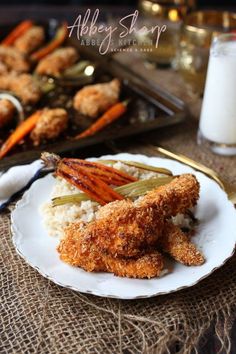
(217,127)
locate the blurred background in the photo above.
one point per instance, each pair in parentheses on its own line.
(200,3)
(183,47)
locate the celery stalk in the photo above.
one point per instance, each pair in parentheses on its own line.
(139,165)
(130,190)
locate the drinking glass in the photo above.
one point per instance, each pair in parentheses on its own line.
(199,28)
(168,12)
(217,128)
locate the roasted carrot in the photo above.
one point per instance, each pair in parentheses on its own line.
(94,187)
(17,32)
(107,174)
(51,46)
(19,133)
(107,118)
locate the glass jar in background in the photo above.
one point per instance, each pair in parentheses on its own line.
(199,28)
(165,53)
(164,12)
(217,128)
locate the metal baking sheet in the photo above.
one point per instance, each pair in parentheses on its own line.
(149,108)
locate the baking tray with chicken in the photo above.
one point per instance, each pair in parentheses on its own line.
(58,95)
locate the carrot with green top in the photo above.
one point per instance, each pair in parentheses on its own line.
(19,133)
(17,32)
(93,186)
(112,114)
(107,174)
(56,42)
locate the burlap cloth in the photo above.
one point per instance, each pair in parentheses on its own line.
(37,316)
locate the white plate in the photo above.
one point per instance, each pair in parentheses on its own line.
(216,237)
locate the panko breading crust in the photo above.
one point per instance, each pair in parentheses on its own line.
(30,40)
(13,59)
(124,228)
(123,236)
(176,197)
(77,249)
(177,244)
(50,125)
(93,100)
(55,63)
(23,85)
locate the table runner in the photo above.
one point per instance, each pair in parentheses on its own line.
(37,316)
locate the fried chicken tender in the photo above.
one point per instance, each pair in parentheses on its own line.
(13,60)
(24,86)
(50,125)
(78,250)
(55,63)
(7,111)
(175,197)
(149,265)
(30,40)
(124,228)
(177,244)
(122,237)
(93,100)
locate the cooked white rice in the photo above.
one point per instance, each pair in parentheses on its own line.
(57,218)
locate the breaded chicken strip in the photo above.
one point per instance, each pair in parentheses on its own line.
(30,40)
(149,265)
(124,228)
(177,244)
(13,59)
(79,250)
(93,100)
(50,125)
(55,63)
(175,197)
(24,86)
(7,110)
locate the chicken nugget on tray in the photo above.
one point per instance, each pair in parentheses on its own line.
(56,62)
(7,110)
(50,125)
(13,59)
(30,40)
(22,85)
(93,100)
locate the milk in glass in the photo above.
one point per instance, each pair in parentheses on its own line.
(218,115)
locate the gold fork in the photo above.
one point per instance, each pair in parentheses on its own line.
(230,191)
